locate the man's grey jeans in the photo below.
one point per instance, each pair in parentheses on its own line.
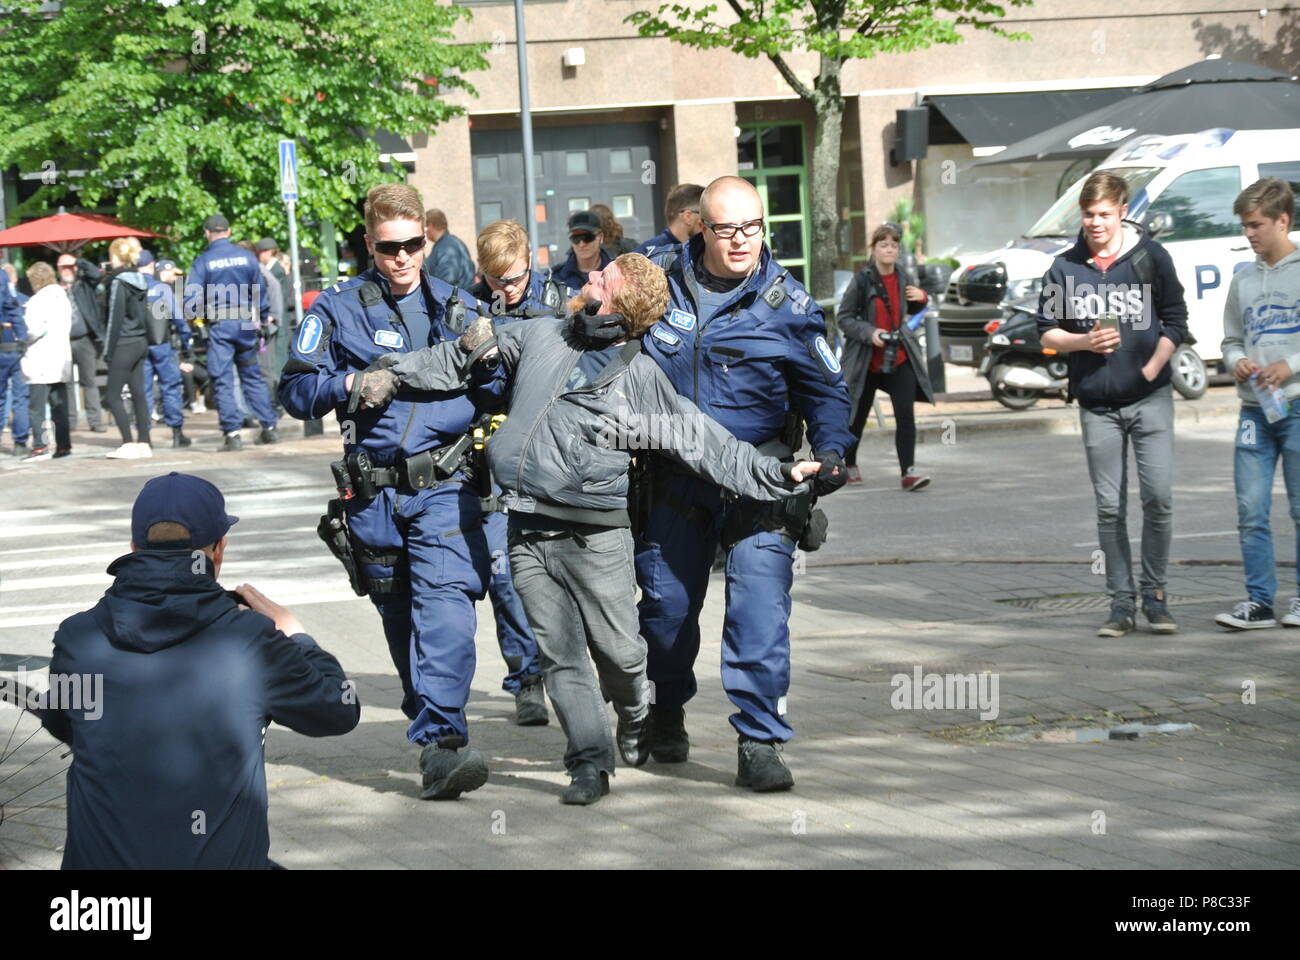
(579,592)
(1149,424)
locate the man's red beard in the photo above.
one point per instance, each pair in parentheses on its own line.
(576,304)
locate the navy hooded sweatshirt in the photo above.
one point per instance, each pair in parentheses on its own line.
(1076,293)
(168,770)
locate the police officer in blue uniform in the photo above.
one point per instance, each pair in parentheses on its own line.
(13,339)
(746,343)
(225,287)
(586,251)
(407,522)
(512,290)
(161,361)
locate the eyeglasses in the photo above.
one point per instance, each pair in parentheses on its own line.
(389,248)
(725,231)
(582,238)
(507,281)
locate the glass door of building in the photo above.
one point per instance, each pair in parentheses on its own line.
(771,157)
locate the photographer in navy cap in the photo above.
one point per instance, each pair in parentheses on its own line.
(168,764)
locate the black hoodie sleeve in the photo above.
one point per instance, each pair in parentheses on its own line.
(1171,305)
(307,690)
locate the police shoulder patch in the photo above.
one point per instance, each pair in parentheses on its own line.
(389,338)
(309,333)
(665,336)
(682,320)
(824,350)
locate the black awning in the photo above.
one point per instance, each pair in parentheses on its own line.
(998,119)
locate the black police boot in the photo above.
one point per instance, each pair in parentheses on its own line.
(249,423)
(668,740)
(760,766)
(448,773)
(588,786)
(179,439)
(233,443)
(269,435)
(530,704)
(20,450)
(634,740)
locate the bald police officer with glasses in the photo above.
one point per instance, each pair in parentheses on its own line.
(746,343)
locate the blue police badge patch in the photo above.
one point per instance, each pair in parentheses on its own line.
(667,336)
(827,354)
(389,338)
(682,320)
(309,334)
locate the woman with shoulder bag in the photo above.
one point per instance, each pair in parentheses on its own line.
(127,340)
(47,364)
(872,318)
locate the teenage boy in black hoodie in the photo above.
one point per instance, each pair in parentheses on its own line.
(1113,303)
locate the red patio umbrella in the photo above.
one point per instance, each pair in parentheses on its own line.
(68,232)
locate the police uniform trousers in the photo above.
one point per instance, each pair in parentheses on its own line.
(514,635)
(161,362)
(11,381)
(674,557)
(434,544)
(234,343)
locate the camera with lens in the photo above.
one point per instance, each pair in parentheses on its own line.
(891,339)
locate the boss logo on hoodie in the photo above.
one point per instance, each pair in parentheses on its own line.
(1084,301)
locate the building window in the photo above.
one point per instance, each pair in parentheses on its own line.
(620,161)
(487,168)
(579,203)
(490,211)
(624,207)
(575,163)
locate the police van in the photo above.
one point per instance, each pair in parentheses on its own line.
(1182,188)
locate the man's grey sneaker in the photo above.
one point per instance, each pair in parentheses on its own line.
(1248,615)
(233,443)
(530,705)
(269,435)
(1155,608)
(761,767)
(447,772)
(633,738)
(588,786)
(1292,619)
(1120,621)
(668,740)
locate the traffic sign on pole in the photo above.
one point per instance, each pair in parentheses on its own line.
(288,170)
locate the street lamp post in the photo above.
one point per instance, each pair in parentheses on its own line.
(526,123)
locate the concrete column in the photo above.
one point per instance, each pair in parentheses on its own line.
(444,177)
(705,142)
(882,183)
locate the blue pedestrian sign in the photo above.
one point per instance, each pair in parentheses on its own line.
(288,170)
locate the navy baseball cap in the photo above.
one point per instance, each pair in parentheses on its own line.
(166,265)
(146,258)
(191,501)
(584,220)
(216,223)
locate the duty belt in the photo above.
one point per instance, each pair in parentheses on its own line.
(356,476)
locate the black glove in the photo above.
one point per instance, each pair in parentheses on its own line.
(833,474)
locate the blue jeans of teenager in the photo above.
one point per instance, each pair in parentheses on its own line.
(1259,446)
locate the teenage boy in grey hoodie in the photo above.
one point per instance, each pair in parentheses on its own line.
(1261,346)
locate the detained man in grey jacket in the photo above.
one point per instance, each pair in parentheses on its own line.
(583,397)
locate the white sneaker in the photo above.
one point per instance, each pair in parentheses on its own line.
(198,406)
(125,452)
(143,451)
(1292,619)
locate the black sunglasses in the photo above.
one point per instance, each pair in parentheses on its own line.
(389,248)
(581,237)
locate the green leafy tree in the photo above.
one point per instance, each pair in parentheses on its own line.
(836,30)
(172,108)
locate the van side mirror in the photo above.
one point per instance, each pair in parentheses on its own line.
(1160,222)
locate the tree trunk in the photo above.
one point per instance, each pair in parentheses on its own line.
(828,102)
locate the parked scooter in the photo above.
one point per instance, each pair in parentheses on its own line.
(1018,367)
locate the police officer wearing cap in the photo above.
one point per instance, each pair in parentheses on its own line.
(225,288)
(586,253)
(162,361)
(13,340)
(744,341)
(407,524)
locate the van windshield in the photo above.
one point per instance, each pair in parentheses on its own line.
(1064,218)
